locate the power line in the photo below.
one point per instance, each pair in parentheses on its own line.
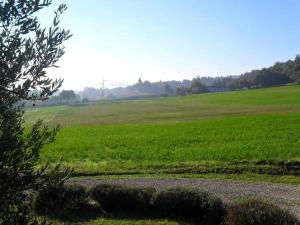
(102,88)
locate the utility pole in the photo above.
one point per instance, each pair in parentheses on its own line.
(102,88)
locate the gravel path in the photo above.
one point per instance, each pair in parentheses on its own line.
(288,196)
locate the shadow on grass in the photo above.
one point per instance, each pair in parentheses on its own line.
(92,212)
(83,214)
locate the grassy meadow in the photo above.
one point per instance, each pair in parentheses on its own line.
(177,134)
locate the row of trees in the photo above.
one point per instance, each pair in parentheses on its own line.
(65,97)
(278,74)
(254,79)
(196,87)
(185,87)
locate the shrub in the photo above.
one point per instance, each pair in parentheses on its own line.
(115,197)
(257,212)
(191,203)
(58,200)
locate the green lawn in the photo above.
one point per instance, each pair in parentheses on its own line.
(252,125)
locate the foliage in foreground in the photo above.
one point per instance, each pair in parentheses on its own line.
(190,203)
(193,205)
(58,200)
(257,212)
(115,197)
(26,51)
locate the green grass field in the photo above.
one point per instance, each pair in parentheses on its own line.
(167,133)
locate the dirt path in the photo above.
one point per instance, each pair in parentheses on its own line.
(288,196)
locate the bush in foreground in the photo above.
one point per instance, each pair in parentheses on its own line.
(190,203)
(257,212)
(115,197)
(58,200)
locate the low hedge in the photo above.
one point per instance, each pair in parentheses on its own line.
(58,200)
(190,203)
(257,212)
(115,197)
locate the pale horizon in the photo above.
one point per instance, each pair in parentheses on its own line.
(172,40)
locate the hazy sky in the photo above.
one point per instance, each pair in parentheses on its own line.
(122,40)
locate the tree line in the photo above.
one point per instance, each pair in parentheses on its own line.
(280,73)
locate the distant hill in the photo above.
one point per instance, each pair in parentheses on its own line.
(280,73)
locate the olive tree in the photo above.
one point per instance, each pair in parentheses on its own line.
(27,50)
